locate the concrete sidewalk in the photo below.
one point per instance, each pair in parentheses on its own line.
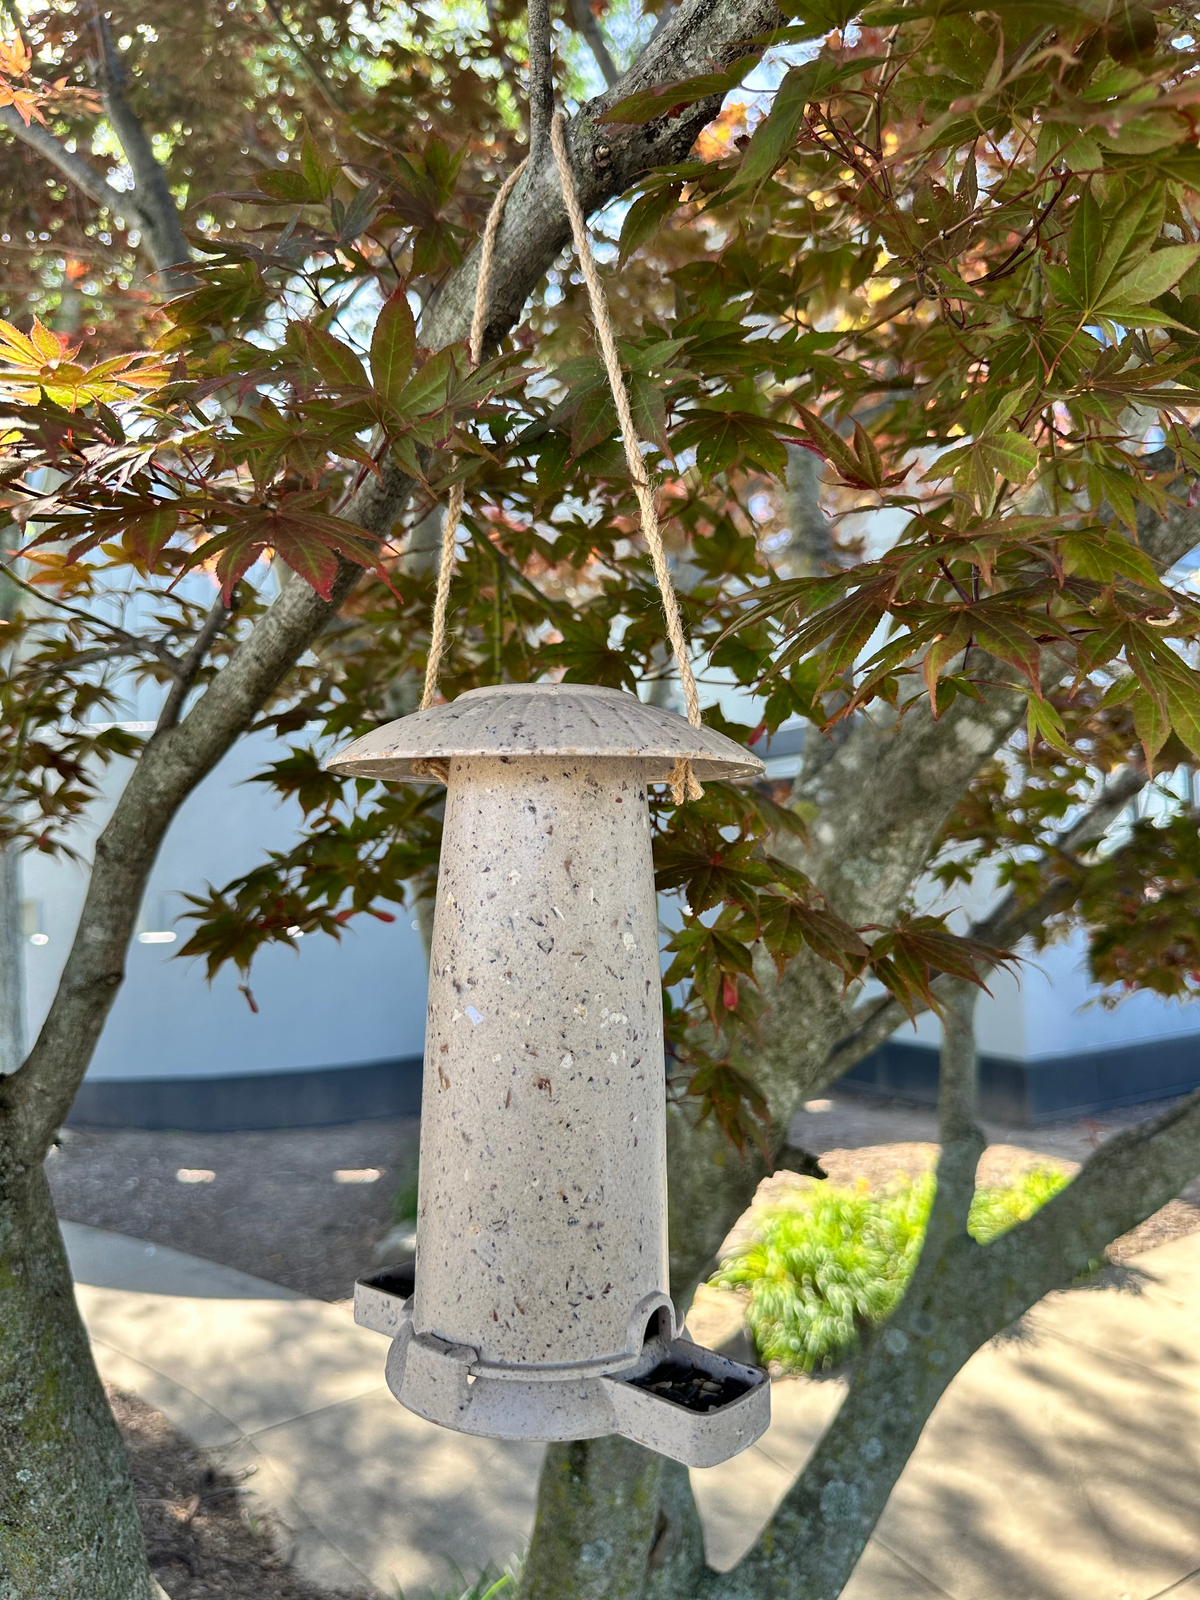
(1063,1463)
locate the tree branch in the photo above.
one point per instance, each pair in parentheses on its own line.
(1009,921)
(809,527)
(961,1295)
(152,197)
(962,1141)
(586,25)
(881,798)
(35,1100)
(310,63)
(12,948)
(701,36)
(541,77)
(73,167)
(187,669)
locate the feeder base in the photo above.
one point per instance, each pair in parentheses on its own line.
(679,1399)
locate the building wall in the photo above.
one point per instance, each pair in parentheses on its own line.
(339,1029)
(327,1005)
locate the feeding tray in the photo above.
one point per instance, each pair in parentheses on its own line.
(679,1399)
(541,1305)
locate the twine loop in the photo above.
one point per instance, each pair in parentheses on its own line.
(684,783)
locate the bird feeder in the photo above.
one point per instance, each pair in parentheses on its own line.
(540,1308)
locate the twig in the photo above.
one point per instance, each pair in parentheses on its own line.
(138,644)
(586,25)
(315,71)
(541,77)
(187,669)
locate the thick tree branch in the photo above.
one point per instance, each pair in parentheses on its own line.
(882,797)
(1012,919)
(887,791)
(12,964)
(962,1141)
(35,1100)
(701,36)
(962,1294)
(811,547)
(86,179)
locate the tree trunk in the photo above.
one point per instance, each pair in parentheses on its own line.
(676,1560)
(12,964)
(596,1523)
(69,1527)
(12,975)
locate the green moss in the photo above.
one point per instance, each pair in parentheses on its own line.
(834,1263)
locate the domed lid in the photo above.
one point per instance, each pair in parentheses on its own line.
(545,719)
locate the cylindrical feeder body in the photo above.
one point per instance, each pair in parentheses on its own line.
(541,1231)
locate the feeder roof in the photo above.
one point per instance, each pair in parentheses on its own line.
(545,719)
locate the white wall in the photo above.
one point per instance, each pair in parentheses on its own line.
(1047,1007)
(328,1005)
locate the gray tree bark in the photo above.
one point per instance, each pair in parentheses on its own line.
(12,948)
(69,1523)
(598,1513)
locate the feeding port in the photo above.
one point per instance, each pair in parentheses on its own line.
(680,1399)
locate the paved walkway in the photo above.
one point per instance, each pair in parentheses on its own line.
(1063,1464)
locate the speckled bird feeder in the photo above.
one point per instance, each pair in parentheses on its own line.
(541,1306)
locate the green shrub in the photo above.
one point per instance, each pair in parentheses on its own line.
(491,1584)
(834,1263)
(404,1200)
(995,1211)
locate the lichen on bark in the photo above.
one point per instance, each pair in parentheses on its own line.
(69,1526)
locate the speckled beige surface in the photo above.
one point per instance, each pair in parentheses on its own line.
(563,719)
(541,1233)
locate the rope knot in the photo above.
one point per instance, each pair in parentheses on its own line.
(433,768)
(685,785)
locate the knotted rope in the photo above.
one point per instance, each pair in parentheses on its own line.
(684,783)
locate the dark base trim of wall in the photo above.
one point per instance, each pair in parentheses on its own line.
(316,1099)
(1017,1092)
(1025,1093)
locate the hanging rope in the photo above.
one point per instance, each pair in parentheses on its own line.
(454,502)
(684,783)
